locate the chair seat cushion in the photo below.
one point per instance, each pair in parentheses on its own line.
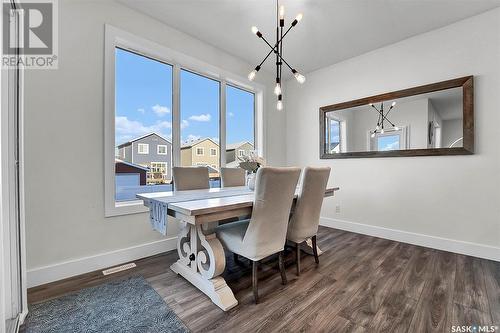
(231,235)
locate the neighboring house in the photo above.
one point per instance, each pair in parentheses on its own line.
(151,151)
(129,174)
(235,150)
(202,152)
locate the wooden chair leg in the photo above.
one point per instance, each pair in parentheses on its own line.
(315,249)
(281,266)
(297,252)
(255,280)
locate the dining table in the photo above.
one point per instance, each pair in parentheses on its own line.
(201,256)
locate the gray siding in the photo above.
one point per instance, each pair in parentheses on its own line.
(131,154)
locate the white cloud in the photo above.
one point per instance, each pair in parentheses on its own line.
(184,123)
(230,114)
(201,117)
(192,137)
(160,110)
(141,110)
(391,146)
(126,129)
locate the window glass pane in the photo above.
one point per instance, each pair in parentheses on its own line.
(199,102)
(240,138)
(333,136)
(143,120)
(389,142)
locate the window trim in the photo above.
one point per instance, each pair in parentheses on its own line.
(202,151)
(115,37)
(146,145)
(158,149)
(212,150)
(403,133)
(241,152)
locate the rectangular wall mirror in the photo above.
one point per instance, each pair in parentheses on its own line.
(435,119)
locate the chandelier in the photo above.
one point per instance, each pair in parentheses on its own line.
(382,117)
(277,49)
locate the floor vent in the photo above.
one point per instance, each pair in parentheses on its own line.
(118,269)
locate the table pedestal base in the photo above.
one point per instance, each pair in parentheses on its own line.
(215,288)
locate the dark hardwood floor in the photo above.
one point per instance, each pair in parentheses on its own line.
(362,284)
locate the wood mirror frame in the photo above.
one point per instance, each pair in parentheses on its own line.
(467,84)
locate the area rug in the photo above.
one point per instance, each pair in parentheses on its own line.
(130,305)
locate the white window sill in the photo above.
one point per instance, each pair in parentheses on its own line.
(126,208)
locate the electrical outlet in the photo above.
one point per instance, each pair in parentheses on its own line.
(337,209)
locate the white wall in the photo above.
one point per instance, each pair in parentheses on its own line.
(451,197)
(65,141)
(452,130)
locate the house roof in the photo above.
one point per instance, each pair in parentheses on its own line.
(117,160)
(233,146)
(192,143)
(142,137)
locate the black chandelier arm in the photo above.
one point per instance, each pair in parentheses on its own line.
(278,54)
(384,117)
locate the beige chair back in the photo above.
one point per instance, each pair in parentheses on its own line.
(274,193)
(190,178)
(305,219)
(232,177)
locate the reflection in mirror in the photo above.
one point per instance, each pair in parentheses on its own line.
(430,120)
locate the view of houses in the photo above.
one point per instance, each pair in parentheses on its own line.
(148,159)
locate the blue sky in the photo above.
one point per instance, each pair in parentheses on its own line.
(144,103)
(388,142)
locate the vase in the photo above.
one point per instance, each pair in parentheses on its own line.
(251,181)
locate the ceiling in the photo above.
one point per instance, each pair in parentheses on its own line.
(331,30)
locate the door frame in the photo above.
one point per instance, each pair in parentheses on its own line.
(12,192)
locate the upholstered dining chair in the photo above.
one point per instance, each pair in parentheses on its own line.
(305,218)
(190,178)
(264,234)
(232,177)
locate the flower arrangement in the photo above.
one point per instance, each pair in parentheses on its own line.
(251,163)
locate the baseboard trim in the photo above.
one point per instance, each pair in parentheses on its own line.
(445,244)
(46,274)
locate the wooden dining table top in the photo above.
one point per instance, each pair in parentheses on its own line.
(212,204)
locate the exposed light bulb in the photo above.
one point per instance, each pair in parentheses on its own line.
(370,104)
(277,89)
(299,17)
(279,105)
(299,77)
(377,128)
(393,104)
(282,12)
(382,131)
(252,75)
(373,135)
(255,30)
(396,128)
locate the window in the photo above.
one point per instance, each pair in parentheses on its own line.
(143,148)
(389,140)
(332,136)
(240,119)
(143,100)
(162,150)
(200,110)
(153,89)
(158,167)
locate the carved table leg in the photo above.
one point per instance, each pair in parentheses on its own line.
(201,262)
